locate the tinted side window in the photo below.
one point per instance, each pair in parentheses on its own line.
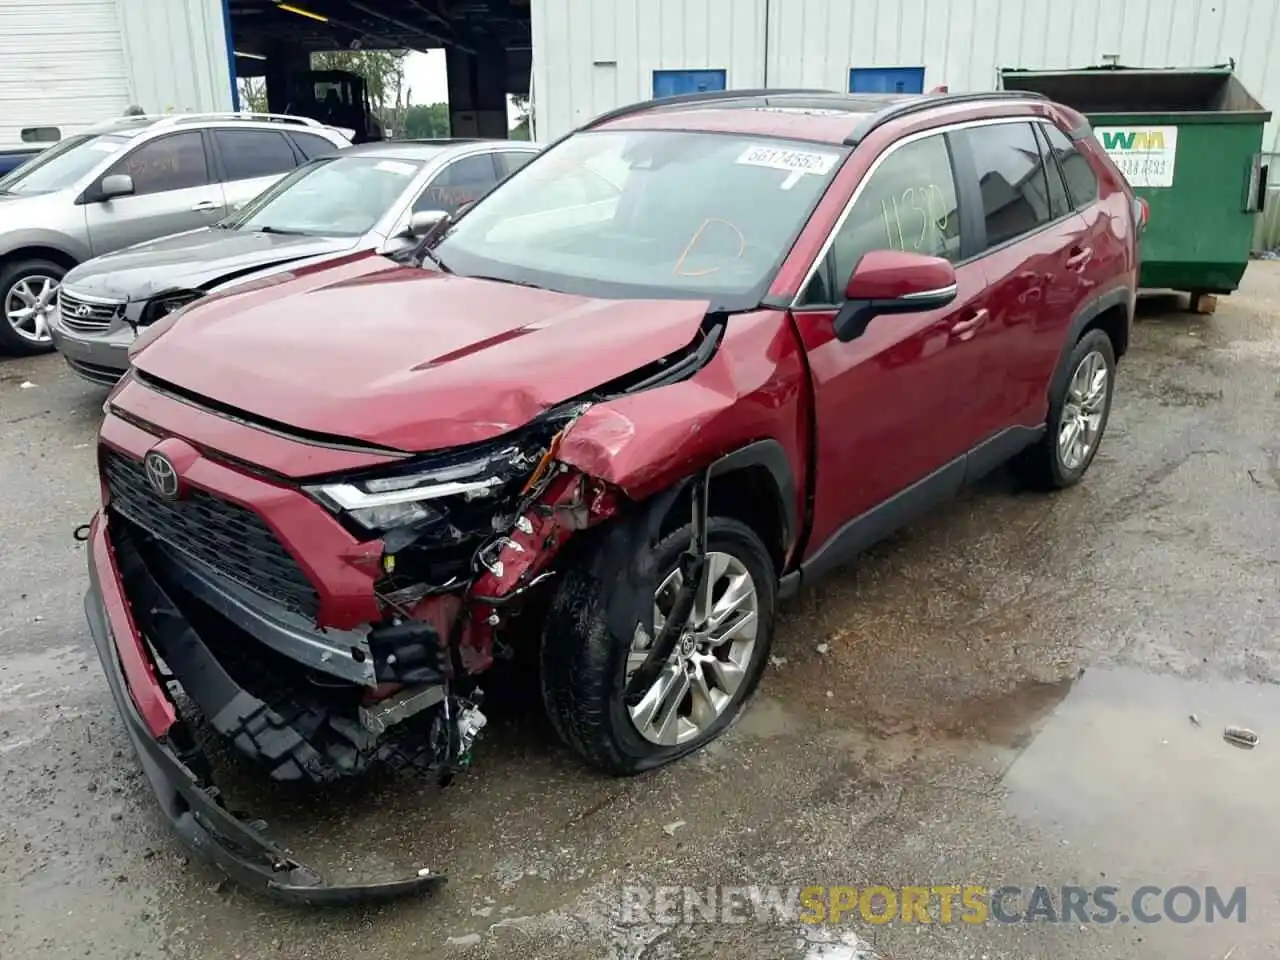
(908,204)
(175,162)
(312,146)
(511,161)
(253,153)
(460,182)
(1082,183)
(469,172)
(1059,202)
(1014,191)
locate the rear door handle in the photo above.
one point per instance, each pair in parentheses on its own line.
(204,206)
(1080,256)
(964,329)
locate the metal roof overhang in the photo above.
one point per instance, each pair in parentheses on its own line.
(259,26)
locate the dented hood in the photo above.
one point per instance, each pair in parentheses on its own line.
(411,359)
(195,260)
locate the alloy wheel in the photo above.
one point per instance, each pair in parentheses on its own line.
(29,305)
(711,658)
(1083,410)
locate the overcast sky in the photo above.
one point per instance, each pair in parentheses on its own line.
(424,75)
(426,78)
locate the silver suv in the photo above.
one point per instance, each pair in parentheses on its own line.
(127,181)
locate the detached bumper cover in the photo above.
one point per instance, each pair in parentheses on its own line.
(238,847)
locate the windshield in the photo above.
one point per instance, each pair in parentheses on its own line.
(62,165)
(646,213)
(336,196)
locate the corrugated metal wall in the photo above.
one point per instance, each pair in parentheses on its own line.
(61,62)
(176,54)
(591,55)
(965,43)
(72,63)
(961,43)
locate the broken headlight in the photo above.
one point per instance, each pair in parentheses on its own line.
(445,486)
(383,503)
(161,307)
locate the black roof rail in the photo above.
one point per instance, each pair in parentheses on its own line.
(708,96)
(928,102)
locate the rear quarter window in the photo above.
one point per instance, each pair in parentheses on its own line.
(313,146)
(1082,182)
(1011,180)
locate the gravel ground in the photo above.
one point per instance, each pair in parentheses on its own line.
(1001,695)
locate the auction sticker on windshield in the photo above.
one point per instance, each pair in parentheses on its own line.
(795,162)
(396,167)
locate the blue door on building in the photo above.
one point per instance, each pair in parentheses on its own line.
(886,80)
(670,83)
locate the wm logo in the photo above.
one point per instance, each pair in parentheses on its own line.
(1133,140)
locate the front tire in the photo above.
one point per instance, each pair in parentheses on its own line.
(1078,415)
(28,298)
(704,685)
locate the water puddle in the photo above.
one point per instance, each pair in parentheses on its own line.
(1135,765)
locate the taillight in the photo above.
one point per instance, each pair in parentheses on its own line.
(1141,213)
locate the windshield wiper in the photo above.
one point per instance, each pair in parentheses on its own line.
(518,283)
(422,251)
(282,232)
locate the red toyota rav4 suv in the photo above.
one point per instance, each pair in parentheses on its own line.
(697,352)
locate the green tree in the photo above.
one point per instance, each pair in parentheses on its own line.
(253,94)
(426,121)
(520,129)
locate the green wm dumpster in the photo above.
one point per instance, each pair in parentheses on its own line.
(1190,143)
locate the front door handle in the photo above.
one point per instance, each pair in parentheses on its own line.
(205,206)
(964,329)
(1079,258)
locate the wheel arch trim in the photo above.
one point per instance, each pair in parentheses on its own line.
(769,455)
(1118,297)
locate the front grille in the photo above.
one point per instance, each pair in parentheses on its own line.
(87,316)
(105,376)
(225,536)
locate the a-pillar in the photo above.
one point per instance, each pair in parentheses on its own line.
(477,93)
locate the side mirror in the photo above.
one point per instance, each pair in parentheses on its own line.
(116,185)
(422,221)
(893,281)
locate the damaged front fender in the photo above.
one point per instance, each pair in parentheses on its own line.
(514,563)
(745,406)
(751,394)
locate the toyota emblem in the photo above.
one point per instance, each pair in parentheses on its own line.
(84,310)
(162,475)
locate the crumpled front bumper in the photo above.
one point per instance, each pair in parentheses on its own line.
(101,358)
(238,847)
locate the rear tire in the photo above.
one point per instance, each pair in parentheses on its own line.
(584,666)
(1078,413)
(26,335)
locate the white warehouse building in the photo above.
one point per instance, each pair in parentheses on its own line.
(592,55)
(67,63)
